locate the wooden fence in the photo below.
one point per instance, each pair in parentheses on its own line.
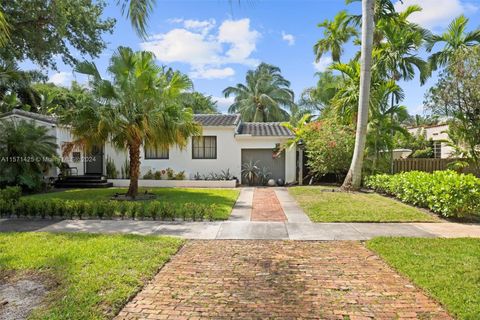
(427,165)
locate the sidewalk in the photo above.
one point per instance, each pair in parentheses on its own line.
(248,230)
(240,226)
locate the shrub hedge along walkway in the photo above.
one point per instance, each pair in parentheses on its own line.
(279,279)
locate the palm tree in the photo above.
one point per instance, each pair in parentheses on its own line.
(335,34)
(16,87)
(454,38)
(396,55)
(318,98)
(25,140)
(263,97)
(353,179)
(4,30)
(385,118)
(141,105)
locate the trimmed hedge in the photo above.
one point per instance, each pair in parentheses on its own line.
(447,193)
(79,209)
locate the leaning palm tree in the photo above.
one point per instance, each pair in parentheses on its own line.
(139,106)
(454,38)
(353,179)
(336,34)
(263,97)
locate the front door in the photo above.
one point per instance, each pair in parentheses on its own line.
(94,161)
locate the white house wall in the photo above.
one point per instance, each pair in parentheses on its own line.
(229,155)
(436,133)
(229,146)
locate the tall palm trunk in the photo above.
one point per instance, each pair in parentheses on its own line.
(134,153)
(259,115)
(353,179)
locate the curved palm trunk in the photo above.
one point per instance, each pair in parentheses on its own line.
(259,115)
(353,179)
(134,153)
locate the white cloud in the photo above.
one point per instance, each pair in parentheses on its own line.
(289,38)
(206,51)
(224,103)
(436,13)
(61,78)
(243,41)
(212,73)
(322,64)
(204,26)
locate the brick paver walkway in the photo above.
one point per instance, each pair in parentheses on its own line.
(279,280)
(266,206)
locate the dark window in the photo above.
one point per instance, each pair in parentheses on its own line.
(159,152)
(204,147)
(437,149)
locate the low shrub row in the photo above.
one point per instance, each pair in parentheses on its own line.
(78,209)
(12,194)
(447,193)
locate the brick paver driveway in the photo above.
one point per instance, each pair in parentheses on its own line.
(279,280)
(266,206)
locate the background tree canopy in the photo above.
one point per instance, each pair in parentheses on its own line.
(40,30)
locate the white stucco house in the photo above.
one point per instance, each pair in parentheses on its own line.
(226,143)
(438,134)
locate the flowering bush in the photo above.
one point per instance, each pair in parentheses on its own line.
(445,192)
(329,147)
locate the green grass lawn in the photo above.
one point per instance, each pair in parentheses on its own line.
(97,274)
(447,269)
(224,199)
(324,206)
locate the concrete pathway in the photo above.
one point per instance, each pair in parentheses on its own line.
(279,280)
(297,225)
(248,230)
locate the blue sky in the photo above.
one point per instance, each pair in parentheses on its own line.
(215,42)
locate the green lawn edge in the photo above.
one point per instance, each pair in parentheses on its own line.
(446,269)
(323,205)
(96,274)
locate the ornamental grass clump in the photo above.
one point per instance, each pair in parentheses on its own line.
(447,193)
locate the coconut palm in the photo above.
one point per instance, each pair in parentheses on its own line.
(353,179)
(4,30)
(454,38)
(31,146)
(263,97)
(335,34)
(139,106)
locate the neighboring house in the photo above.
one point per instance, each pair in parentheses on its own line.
(226,143)
(439,136)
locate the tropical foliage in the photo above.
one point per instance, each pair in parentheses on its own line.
(27,151)
(396,46)
(41,31)
(445,192)
(264,96)
(199,103)
(329,147)
(141,105)
(456,96)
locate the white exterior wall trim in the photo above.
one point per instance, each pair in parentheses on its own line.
(176,183)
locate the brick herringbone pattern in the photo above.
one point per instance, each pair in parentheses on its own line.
(279,280)
(266,206)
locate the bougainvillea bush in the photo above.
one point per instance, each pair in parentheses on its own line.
(329,147)
(444,192)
